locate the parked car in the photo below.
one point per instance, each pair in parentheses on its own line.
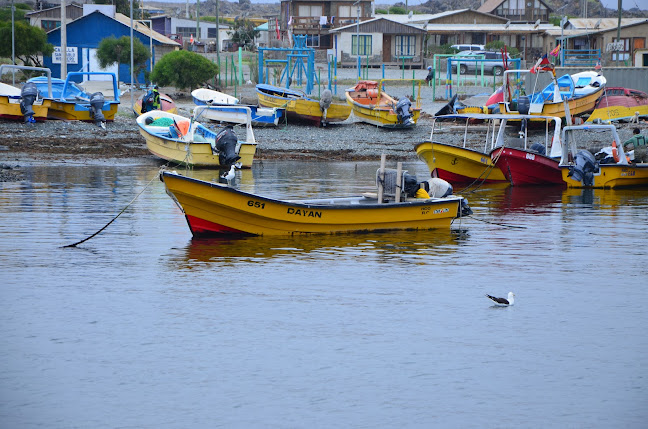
(493,63)
(462,48)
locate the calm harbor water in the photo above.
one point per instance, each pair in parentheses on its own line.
(143,327)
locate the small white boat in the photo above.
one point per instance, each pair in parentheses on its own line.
(207,97)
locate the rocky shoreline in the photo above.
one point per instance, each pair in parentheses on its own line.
(65,141)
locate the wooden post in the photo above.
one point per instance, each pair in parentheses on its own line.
(399,181)
(381,178)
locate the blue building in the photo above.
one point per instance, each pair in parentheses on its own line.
(84,35)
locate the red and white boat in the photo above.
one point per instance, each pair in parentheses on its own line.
(504,158)
(533,163)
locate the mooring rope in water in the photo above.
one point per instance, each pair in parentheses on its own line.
(489,168)
(120,213)
(497,223)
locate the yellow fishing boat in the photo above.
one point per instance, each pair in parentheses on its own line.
(459,163)
(619,104)
(10,101)
(26,103)
(580,169)
(218,209)
(166,104)
(565,97)
(301,108)
(69,101)
(371,104)
(187,142)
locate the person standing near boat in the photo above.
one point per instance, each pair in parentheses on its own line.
(639,144)
(151,101)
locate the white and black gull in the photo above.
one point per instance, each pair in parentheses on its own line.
(503,301)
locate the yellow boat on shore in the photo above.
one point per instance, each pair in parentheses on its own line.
(187,142)
(565,97)
(371,104)
(217,209)
(301,108)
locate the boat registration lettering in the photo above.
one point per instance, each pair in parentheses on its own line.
(304,212)
(443,210)
(256,204)
(627,173)
(530,156)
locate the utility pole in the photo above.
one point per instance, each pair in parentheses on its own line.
(197,20)
(357,3)
(64,39)
(132,88)
(217,42)
(620,7)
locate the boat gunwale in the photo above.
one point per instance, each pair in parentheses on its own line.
(304,204)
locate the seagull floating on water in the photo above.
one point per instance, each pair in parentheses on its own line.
(503,301)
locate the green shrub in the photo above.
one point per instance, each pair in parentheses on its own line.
(183,69)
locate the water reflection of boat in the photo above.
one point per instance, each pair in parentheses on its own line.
(258,249)
(217,209)
(528,199)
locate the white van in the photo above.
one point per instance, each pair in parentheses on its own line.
(461,48)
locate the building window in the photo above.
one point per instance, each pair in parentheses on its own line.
(186,31)
(211,33)
(50,25)
(306,10)
(345,12)
(313,41)
(624,53)
(405,46)
(365,45)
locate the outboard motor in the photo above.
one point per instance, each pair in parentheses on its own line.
(538,148)
(584,167)
(524,103)
(403,111)
(325,103)
(28,95)
(226,142)
(96,104)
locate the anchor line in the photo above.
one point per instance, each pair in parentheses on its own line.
(120,213)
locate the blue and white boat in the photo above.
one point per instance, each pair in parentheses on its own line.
(221,107)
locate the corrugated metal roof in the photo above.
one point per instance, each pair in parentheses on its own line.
(141,28)
(513,28)
(372,22)
(600,23)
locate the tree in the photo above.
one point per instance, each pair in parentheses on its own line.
(112,50)
(30,43)
(183,69)
(244,33)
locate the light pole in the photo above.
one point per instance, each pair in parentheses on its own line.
(150,23)
(13,44)
(132,58)
(357,3)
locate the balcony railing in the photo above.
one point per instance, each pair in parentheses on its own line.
(313,22)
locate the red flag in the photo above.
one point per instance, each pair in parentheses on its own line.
(543,64)
(556,51)
(278,33)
